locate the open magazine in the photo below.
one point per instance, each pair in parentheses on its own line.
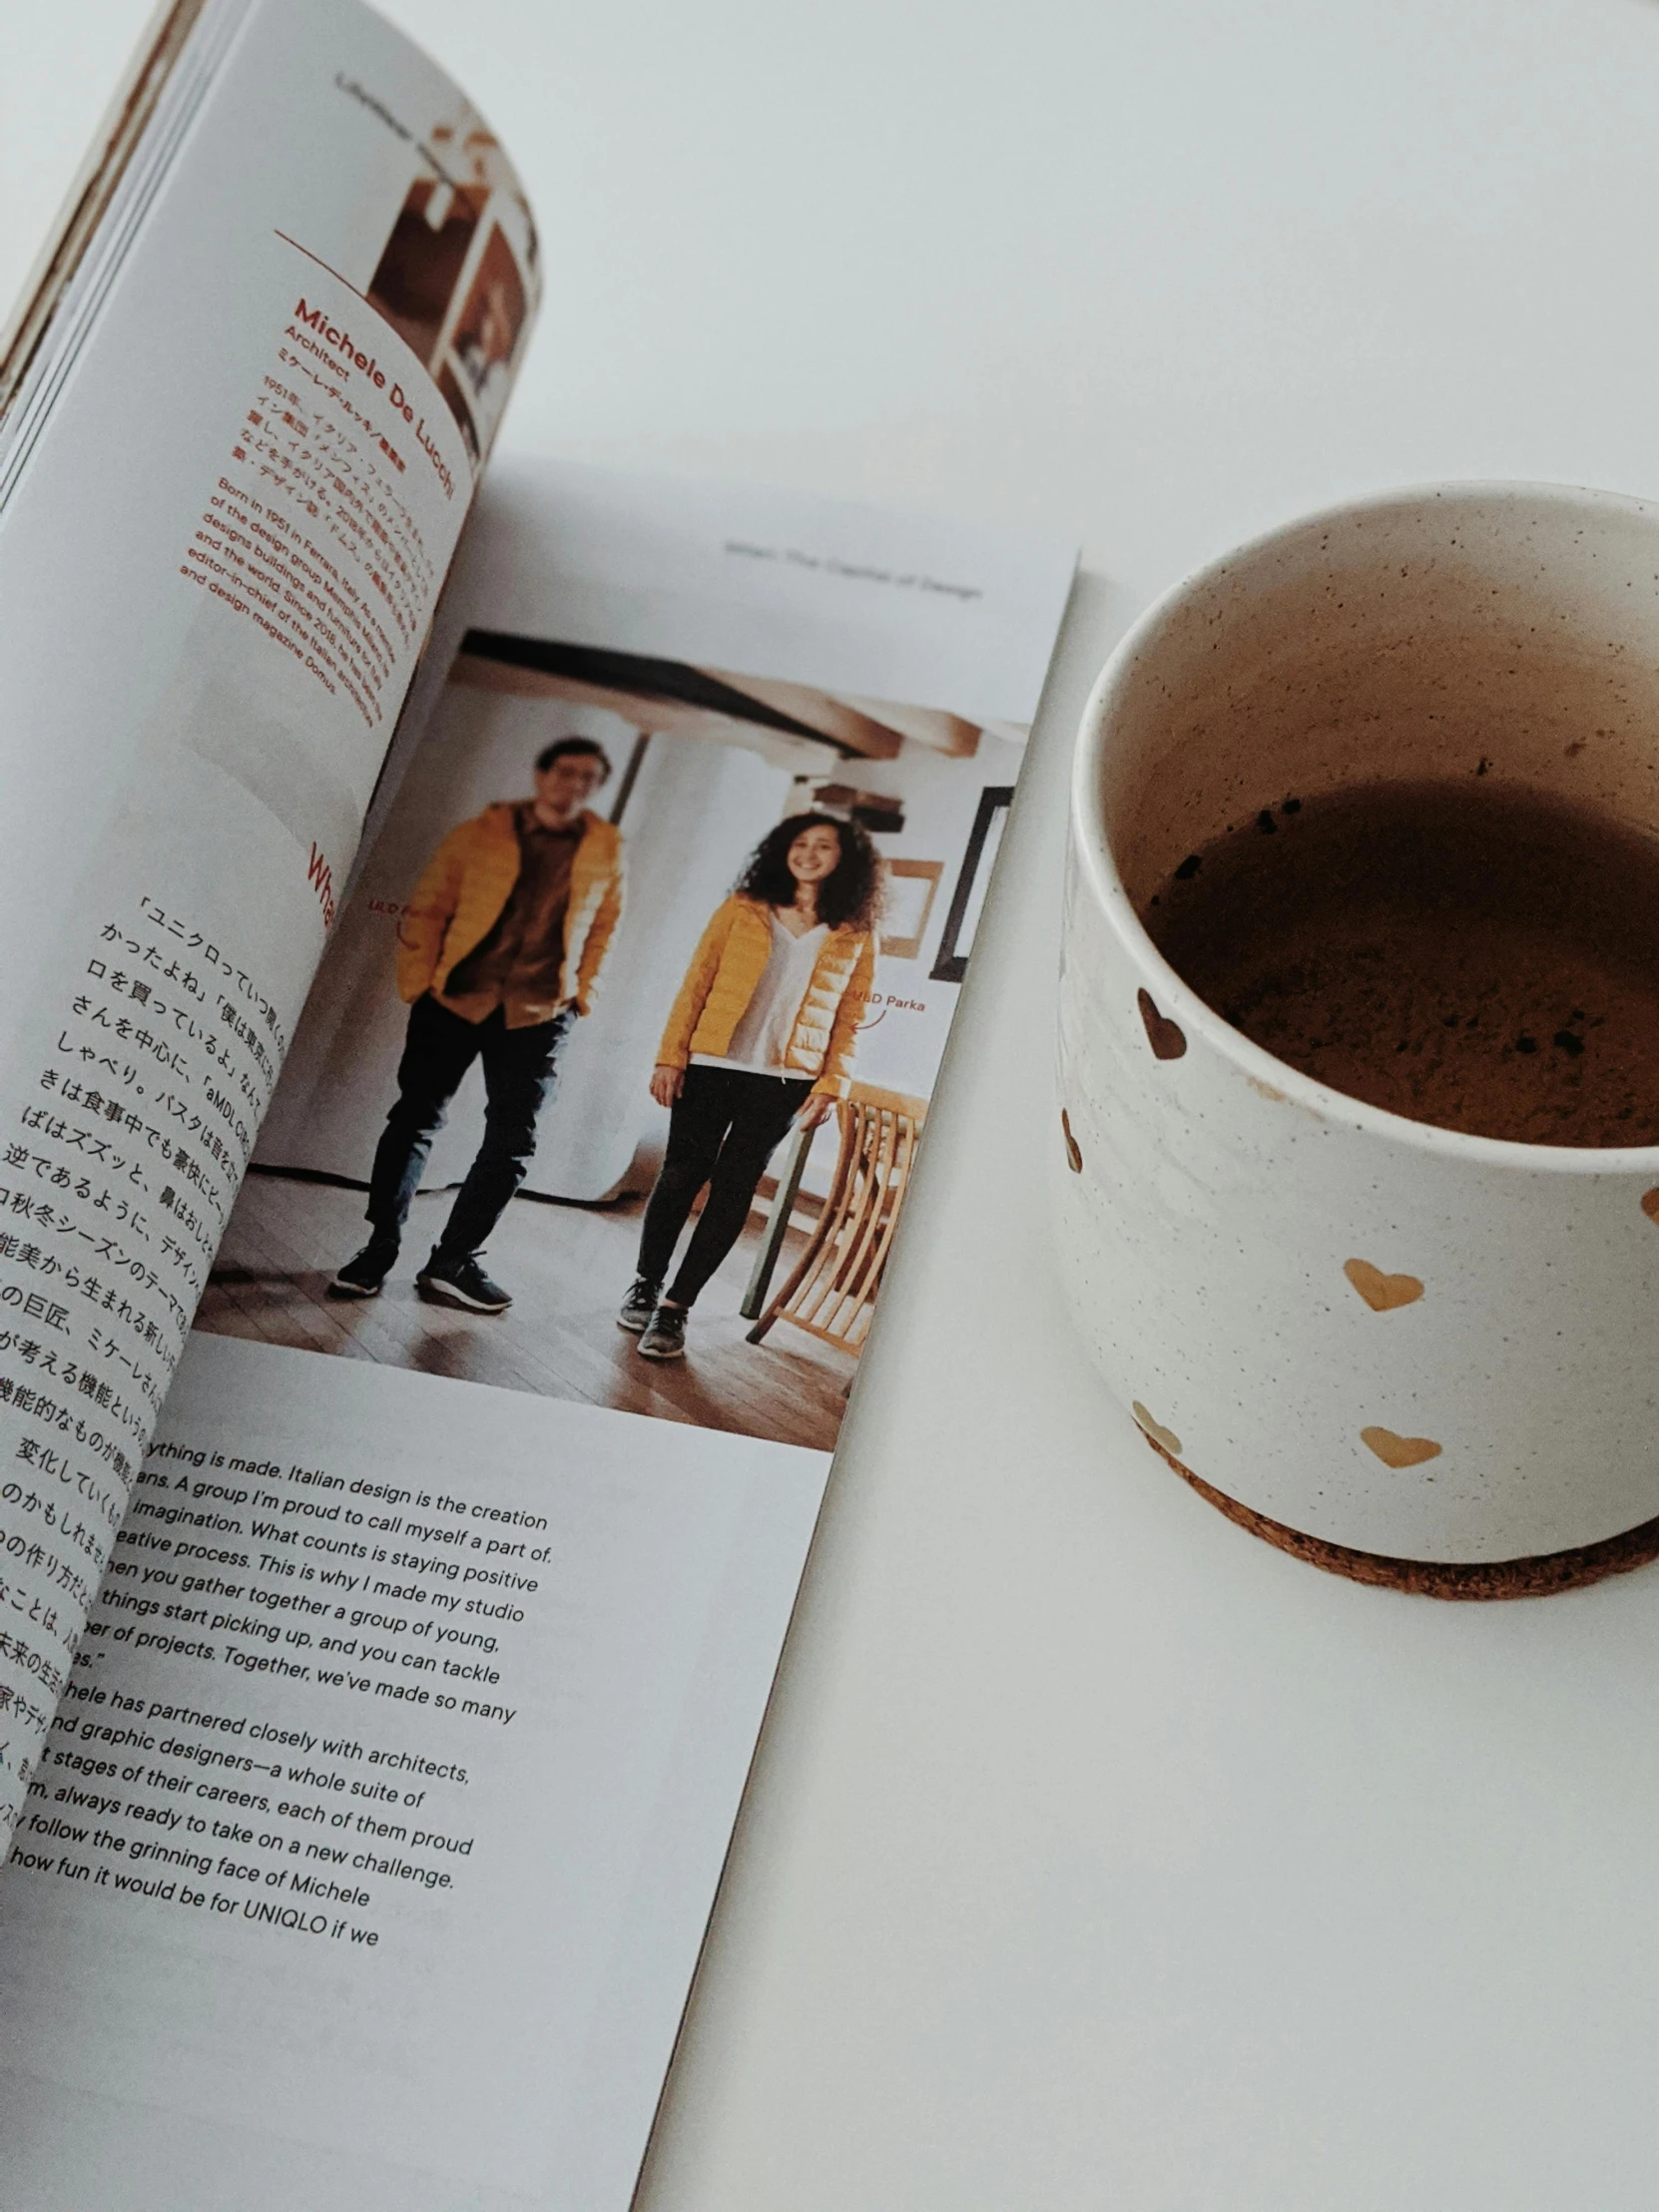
(475,1004)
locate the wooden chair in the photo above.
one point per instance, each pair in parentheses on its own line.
(832,1292)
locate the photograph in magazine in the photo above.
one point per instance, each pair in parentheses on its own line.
(614,1077)
(456,280)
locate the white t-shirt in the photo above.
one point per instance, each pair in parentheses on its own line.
(767,1023)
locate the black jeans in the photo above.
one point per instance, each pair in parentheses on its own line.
(518,1074)
(725,1127)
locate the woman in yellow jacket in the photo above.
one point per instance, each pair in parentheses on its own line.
(761,1034)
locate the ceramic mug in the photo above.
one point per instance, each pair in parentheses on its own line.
(1379,1342)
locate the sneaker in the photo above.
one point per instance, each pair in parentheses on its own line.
(364,1276)
(639,1306)
(462,1283)
(665,1337)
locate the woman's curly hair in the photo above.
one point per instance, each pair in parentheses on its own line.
(849,898)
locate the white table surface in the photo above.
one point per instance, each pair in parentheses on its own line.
(1097,1856)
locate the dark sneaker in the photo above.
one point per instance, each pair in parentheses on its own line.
(365,1275)
(665,1335)
(461,1283)
(639,1306)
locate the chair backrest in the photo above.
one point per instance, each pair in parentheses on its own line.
(831,1291)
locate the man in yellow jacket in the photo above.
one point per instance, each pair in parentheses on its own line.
(498,952)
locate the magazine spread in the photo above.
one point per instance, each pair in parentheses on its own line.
(452,1151)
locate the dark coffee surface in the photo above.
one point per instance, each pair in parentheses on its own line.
(1464,955)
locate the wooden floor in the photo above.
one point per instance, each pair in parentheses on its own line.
(567,1268)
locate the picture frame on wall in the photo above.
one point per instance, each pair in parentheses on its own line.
(913,887)
(968,899)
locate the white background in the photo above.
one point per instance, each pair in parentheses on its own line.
(1100,1856)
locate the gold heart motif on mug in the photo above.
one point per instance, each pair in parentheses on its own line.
(1164,1438)
(1382,1293)
(1399,1451)
(1167,1038)
(1074,1151)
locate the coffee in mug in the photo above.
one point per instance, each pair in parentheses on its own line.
(1483,959)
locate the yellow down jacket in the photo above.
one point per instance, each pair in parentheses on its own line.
(468,881)
(728,964)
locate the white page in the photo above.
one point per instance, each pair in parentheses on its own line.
(229,492)
(503,2039)
(488,2026)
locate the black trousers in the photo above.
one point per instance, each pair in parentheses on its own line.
(725,1127)
(518,1074)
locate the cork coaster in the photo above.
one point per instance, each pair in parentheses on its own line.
(1499,1578)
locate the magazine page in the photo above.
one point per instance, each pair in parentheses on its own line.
(370,1856)
(244,411)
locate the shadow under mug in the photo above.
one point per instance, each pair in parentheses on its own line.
(1409,1355)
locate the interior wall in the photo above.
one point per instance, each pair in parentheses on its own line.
(901,1046)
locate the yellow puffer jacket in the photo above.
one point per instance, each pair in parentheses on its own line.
(728,964)
(468,881)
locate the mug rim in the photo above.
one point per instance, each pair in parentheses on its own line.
(1106,885)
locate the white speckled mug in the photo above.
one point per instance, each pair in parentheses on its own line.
(1410,1354)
